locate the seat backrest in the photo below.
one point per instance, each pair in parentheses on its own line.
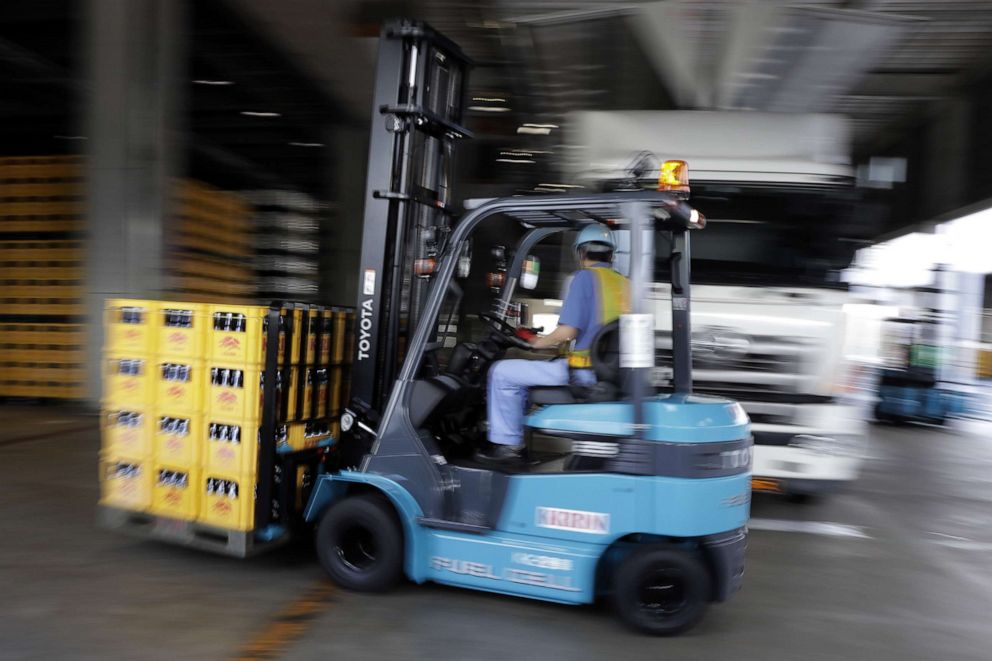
(604,352)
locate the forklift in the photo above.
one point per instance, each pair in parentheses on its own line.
(910,387)
(648,503)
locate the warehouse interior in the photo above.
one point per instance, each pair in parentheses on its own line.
(215,152)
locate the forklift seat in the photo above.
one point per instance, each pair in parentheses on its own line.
(551,395)
(605,354)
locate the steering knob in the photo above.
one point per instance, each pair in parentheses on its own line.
(525,334)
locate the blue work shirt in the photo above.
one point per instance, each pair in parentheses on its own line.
(581,307)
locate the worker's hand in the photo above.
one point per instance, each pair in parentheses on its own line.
(525,334)
(522,338)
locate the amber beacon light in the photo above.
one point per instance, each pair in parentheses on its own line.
(674,176)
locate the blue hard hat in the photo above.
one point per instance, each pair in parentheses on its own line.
(594,233)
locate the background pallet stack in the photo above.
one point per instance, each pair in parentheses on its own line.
(210,246)
(41,207)
(183,404)
(287,242)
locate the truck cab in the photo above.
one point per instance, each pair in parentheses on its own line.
(769,316)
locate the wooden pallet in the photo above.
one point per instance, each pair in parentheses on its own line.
(185,533)
(212,240)
(38,270)
(210,259)
(205,266)
(193,242)
(43,168)
(41,251)
(42,389)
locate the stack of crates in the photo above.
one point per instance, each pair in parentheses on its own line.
(210,249)
(42,345)
(184,388)
(287,243)
(318,375)
(128,406)
(235,363)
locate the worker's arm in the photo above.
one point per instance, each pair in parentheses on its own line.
(561,334)
(574,313)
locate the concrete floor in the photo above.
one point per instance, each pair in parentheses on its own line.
(903,574)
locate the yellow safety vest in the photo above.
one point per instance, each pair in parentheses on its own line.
(614,299)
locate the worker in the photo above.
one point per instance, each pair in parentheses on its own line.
(596,296)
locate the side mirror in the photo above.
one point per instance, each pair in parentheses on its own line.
(464,261)
(530,273)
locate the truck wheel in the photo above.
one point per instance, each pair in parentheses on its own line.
(360,544)
(661,591)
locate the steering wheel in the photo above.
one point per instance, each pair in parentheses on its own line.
(502,331)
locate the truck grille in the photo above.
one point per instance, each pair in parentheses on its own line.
(741,367)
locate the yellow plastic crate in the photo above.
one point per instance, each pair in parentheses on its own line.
(230,447)
(127,432)
(179,385)
(314,325)
(296,313)
(174,492)
(130,326)
(291,385)
(282,438)
(182,330)
(232,392)
(349,337)
(125,482)
(177,438)
(295,435)
(303,435)
(983,369)
(321,383)
(127,381)
(234,334)
(228,500)
(306,406)
(327,335)
(281,376)
(339,345)
(336,390)
(316,432)
(282,338)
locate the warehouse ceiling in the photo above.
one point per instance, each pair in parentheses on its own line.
(878,61)
(888,64)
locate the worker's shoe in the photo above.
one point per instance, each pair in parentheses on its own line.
(504,454)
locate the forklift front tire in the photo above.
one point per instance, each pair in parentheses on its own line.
(661,591)
(360,543)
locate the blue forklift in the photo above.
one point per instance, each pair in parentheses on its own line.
(910,387)
(648,504)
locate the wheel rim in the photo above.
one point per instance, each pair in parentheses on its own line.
(356,548)
(662,593)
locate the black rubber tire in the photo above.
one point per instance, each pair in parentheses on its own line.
(683,571)
(360,543)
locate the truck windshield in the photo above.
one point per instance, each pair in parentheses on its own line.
(771,237)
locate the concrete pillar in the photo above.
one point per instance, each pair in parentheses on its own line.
(136,61)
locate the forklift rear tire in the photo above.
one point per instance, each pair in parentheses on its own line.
(662,591)
(360,543)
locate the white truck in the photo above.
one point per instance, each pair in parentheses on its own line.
(768,305)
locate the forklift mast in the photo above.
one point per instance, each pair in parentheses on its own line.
(416,119)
